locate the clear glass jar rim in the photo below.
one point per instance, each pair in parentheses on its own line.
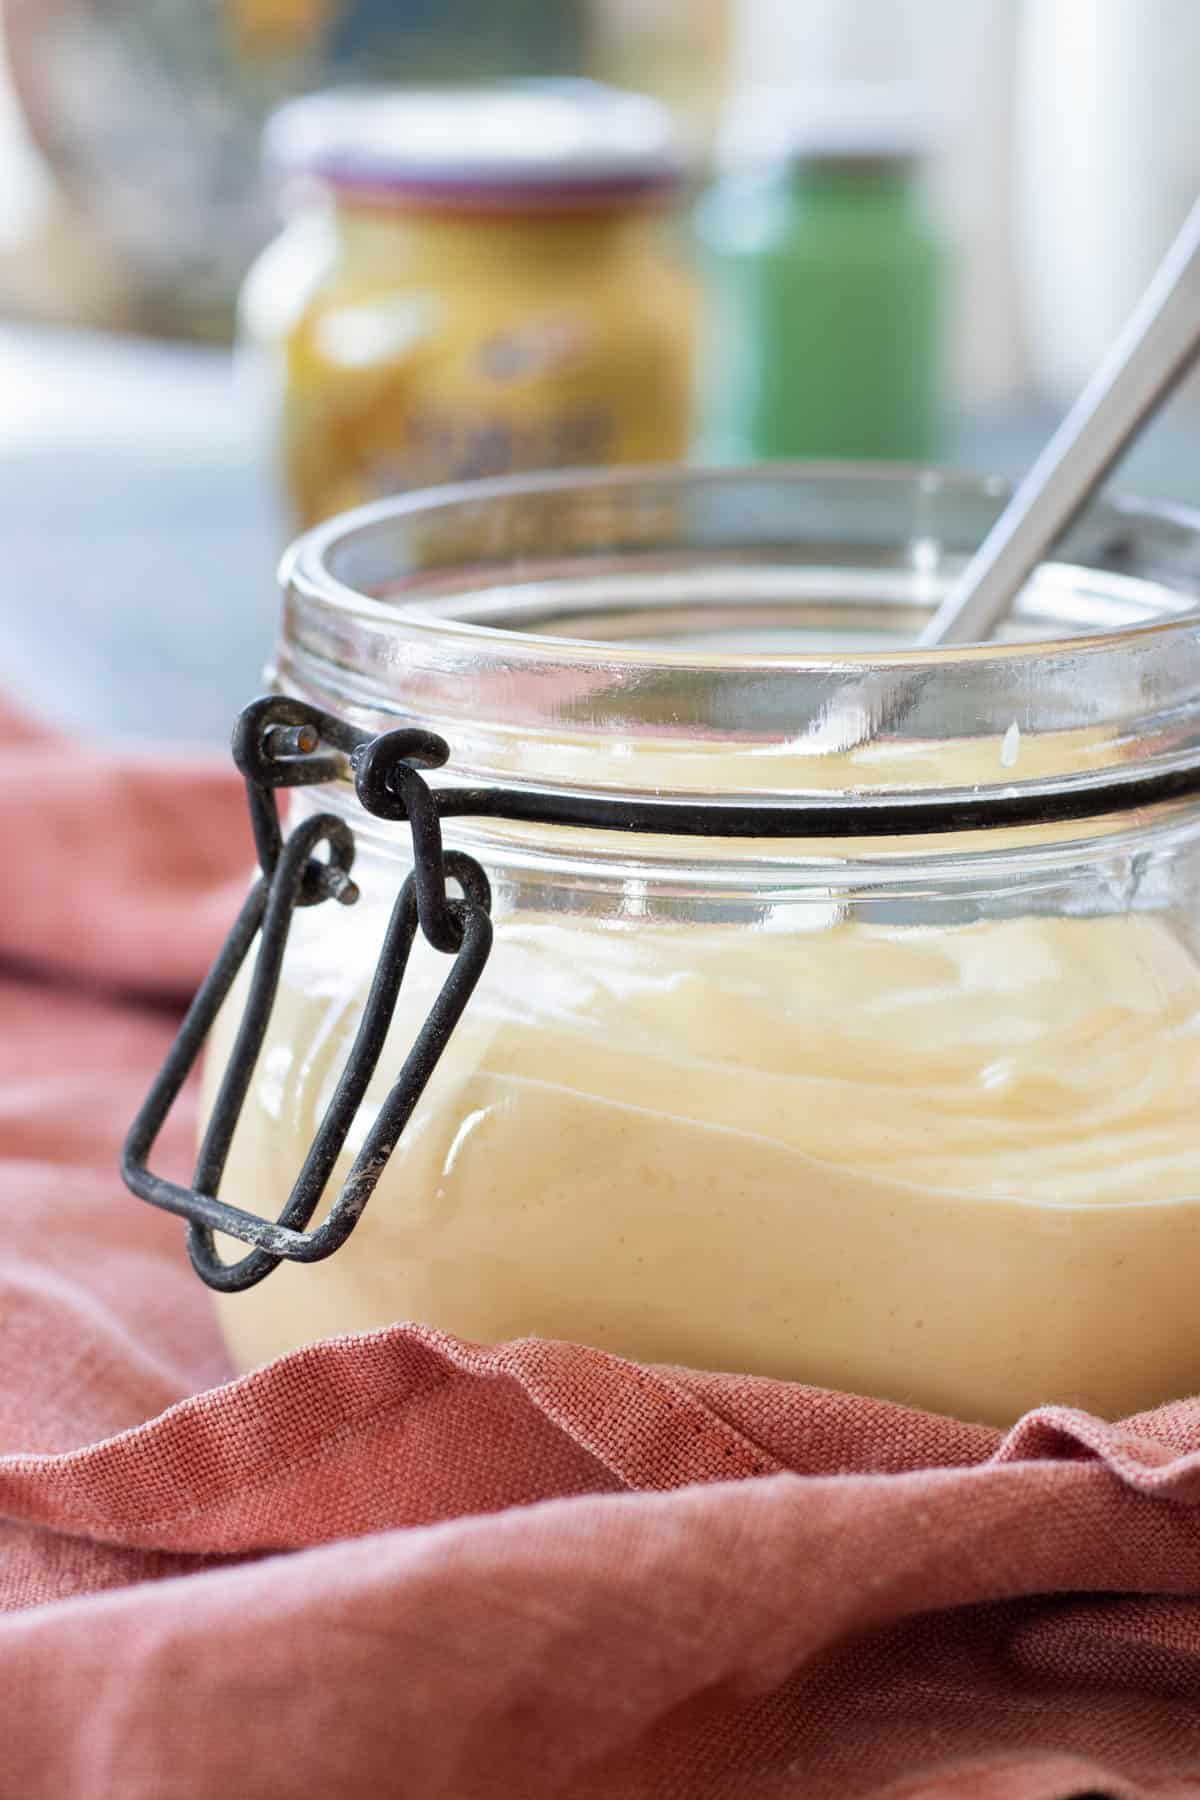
(309,564)
(433,607)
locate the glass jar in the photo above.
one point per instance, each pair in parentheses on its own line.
(471,282)
(900,1102)
(828,275)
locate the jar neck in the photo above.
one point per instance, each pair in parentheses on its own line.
(741,636)
(384,237)
(866,184)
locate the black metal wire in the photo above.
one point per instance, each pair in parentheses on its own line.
(288,1238)
(388,785)
(284,742)
(862,816)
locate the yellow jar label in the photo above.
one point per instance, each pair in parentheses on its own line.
(450,381)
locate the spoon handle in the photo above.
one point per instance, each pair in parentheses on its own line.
(1153,351)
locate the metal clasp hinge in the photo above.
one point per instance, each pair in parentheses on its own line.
(280,742)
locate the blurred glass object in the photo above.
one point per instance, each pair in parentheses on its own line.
(957,58)
(149,111)
(677,50)
(1109,168)
(472,281)
(827,276)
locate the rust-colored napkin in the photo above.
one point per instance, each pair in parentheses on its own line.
(400,1565)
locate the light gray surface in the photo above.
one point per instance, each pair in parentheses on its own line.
(139,538)
(138,544)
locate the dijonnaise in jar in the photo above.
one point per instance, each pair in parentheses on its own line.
(910,1113)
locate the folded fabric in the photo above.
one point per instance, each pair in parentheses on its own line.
(400,1564)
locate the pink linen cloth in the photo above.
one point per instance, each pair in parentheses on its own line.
(397,1564)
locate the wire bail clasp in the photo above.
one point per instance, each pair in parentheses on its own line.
(281,742)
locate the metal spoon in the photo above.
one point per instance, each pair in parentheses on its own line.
(1152,353)
(1155,349)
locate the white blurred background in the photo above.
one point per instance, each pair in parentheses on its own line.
(1067,154)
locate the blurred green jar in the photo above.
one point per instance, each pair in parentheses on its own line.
(827,277)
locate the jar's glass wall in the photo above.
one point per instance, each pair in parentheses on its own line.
(932,1148)
(907,1116)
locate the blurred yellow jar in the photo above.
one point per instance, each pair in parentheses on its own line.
(470,283)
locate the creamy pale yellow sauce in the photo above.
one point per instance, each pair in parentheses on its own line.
(956,1167)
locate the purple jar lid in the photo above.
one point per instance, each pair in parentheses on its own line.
(518,145)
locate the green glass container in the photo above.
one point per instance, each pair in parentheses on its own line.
(827,278)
